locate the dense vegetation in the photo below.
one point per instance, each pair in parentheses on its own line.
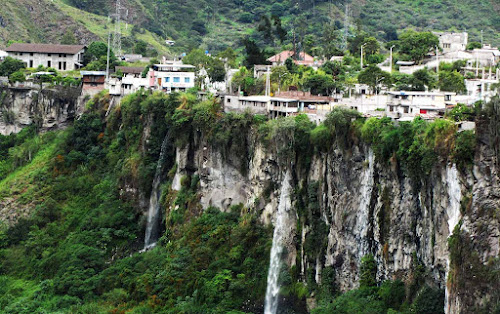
(215,25)
(75,248)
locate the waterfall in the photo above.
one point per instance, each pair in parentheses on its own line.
(453,213)
(153,226)
(362,222)
(272,291)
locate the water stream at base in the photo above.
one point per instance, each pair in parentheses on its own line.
(453,213)
(273,287)
(153,226)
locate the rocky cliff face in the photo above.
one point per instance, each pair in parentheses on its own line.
(50,108)
(368,207)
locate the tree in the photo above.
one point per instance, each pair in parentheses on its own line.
(368,272)
(373,76)
(98,51)
(17,76)
(229,55)
(473,45)
(291,66)
(254,54)
(334,68)
(216,70)
(371,46)
(320,84)
(422,79)
(69,38)
(451,82)
(417,45)
(141,47)
(196,57)
(11,65)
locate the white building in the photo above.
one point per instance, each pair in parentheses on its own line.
(172,76)
(453,42)
(3,55)
(404,105)
(479,89)
(132,80)
(59,57)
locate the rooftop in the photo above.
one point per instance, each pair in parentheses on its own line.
(282,56)
(45,48)
(93,73)
(131,70)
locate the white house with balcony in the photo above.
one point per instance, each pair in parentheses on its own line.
(406,105)
(172,76)
(59,57)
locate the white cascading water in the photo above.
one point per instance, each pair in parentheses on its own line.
(273,288)
(362,223)
(153,226)
(453,213)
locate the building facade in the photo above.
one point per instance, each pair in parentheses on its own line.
(59,57)
(453,42)
(405,105)
(93,82)
(172,76)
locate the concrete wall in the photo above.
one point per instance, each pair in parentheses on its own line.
(54,58)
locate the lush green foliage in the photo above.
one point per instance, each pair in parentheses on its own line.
(77,251)
(10,66)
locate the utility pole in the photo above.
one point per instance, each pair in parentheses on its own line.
(346,25)
(117,36)
(390,59)
(437,60)
(268,82)
(107,59)
(362,46)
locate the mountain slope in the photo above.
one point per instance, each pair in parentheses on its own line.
(217,24)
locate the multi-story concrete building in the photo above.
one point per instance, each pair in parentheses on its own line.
(453,42)
(172,76)
(59,57)
(405,105)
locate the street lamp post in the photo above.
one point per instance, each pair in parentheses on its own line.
(390,59)
(362,46)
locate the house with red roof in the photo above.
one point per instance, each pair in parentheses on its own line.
(301,58)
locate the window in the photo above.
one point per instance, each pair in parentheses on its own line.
(49,55)
(49,64)
(64,66)
(446,45)
(447,97)
(31,63)
(187,80)
(167,79)
(405,109)
(31,54)
(59,65)
(177,79)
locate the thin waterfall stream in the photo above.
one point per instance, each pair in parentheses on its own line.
(273,287)
(453,213)
(153,226)
(362,223)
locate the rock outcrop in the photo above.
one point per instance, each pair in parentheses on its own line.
(368,207)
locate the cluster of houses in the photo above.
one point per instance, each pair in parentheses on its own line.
(399,105)
(175,76)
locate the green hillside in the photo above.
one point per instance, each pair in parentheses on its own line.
(216,24)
